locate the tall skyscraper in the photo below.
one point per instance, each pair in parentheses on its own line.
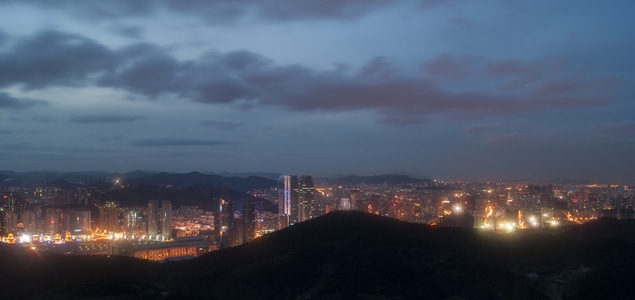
(153,210)
(284,202)
(79,220)
(109,216)
(249,220)
(297,201)
(166,219)
(160,219)
(224,222)
(306,198)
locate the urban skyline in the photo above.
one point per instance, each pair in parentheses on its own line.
(492,90)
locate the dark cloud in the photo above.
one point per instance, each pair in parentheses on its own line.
(460,86)
(42,119)
(625,126)
(245,77)
(53,58)
(104,118)
(433,3)
(217,11)
(176,142)
(464,22)
(483,128)
(144,69)
(129,31)
(3,37)
(222,125)
(452,67)
(9,102)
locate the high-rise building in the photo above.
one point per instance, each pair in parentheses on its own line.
(306,196)
(284,202)
(153,211)
(166,219)
(297,202)
(159,219)
(248,220)
(79,220)
(356,203)
(109,216)
(224,222)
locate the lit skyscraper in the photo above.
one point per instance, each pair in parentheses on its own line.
(284,202)
(297,201)
(160,219)
(166,219)
(224,222)
(249,220)
(153,210)
(109,216)
(306,198)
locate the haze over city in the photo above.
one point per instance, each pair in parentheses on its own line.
(483,90)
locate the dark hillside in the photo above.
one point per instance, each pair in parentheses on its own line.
(352,255)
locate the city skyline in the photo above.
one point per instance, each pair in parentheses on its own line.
(438,89)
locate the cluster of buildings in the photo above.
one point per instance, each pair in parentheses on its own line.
(68,221)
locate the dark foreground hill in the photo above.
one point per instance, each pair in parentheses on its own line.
(352,256)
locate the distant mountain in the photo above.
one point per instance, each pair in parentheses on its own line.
(351,256)
(198,195)
(4,177)
(268,175)
(35,178)
(61,183)
(137,174)
(388,179)
(197,178)
(104,180)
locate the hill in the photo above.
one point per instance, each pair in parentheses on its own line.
(197,178)
(352,256)
(198,195)
(389,179)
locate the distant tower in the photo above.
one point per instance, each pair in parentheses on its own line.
(356,204)
(292,186)
(249,220)
(297,202)
(166,219)
(284,203)
(153,223)
(160,219)
(224,222)
(79,220)
(306,196)
(109,216)
(345,204)
(131,221)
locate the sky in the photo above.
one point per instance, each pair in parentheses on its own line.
(454,89)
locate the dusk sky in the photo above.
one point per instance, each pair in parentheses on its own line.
(456,89)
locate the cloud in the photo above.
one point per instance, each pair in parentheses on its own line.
(222,125)
(464,22)
(483,128)
(9,102)
(248,78)
(104,118)
(176,142)
(450,85)
(625,126)
(449,66)
(53,58)
(129,31)
(218,10)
